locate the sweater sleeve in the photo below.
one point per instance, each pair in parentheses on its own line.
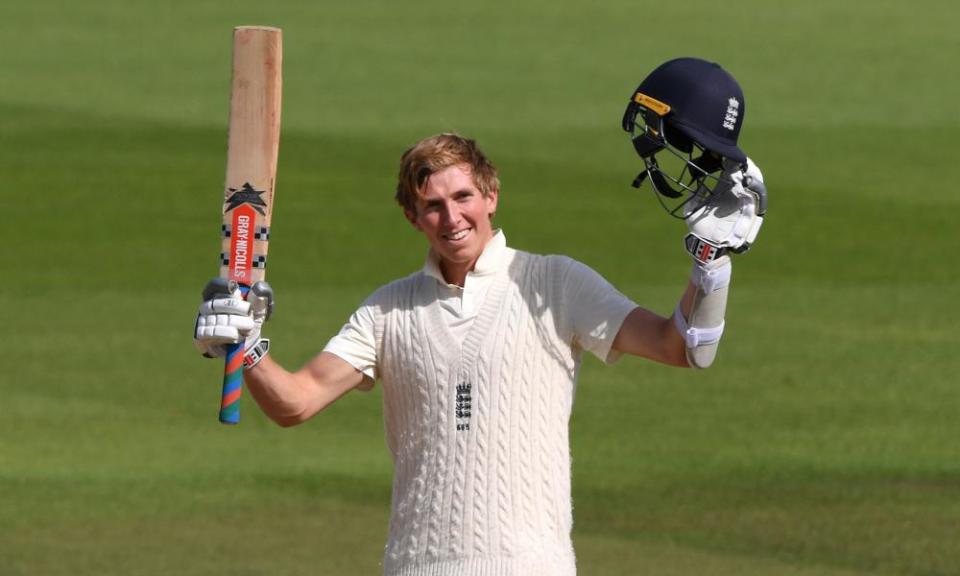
(593,309)
(356,343)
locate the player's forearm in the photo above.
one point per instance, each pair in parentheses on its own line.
(699,317)
(289,398)
(285,397)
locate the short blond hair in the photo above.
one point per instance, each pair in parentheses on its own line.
(437,153)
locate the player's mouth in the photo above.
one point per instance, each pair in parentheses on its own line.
(457,236)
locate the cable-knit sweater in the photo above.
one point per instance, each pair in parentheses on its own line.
(478,430)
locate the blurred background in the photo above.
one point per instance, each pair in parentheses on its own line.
(823,442)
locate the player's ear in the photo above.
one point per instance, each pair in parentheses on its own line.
(491,199)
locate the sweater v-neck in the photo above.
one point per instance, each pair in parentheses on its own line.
(465,354)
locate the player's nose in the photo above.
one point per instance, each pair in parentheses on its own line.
(451,213)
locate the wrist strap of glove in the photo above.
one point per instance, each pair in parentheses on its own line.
(713,277)
(703,251)
(255,353)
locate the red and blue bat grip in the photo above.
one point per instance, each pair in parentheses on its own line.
(232,380)
(232,385)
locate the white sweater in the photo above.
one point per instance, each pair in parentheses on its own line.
(478,429)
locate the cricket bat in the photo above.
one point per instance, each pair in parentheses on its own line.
(252,149)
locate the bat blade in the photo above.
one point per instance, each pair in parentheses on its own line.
(252,152)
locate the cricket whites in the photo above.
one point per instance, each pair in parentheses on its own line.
(252,149)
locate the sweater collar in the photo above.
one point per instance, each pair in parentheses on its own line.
(488,262)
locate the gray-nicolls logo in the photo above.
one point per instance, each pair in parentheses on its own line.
(733,112)
(463,405)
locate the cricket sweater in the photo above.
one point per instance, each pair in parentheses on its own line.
(477,422)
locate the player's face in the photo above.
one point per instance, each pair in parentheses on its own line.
(455,217)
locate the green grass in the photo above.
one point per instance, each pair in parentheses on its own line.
(822,443)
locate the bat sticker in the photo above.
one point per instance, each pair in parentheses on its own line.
(261,232)
(246,194)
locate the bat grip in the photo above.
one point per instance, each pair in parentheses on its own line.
(232,385)
(232,380)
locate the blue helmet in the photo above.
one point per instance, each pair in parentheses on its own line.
(692,110)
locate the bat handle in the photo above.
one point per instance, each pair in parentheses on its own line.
(232,372)
(232,385)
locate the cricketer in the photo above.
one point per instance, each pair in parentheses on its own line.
(478,352)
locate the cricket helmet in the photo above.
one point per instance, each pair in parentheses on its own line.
(684,120)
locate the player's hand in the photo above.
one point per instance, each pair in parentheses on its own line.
(731,217)
(227,317)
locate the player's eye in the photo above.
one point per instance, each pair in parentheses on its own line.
(431,206)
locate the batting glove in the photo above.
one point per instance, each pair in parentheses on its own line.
(228,316)
(731,218)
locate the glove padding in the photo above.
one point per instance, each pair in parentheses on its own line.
(226,316)
(731,217)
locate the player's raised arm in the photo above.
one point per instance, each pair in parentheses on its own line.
(684,120)
(227,317)
(290,398)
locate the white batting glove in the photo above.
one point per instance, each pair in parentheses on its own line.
(227,317)
(731,218)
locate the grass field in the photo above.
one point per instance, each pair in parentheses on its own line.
(824,441)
